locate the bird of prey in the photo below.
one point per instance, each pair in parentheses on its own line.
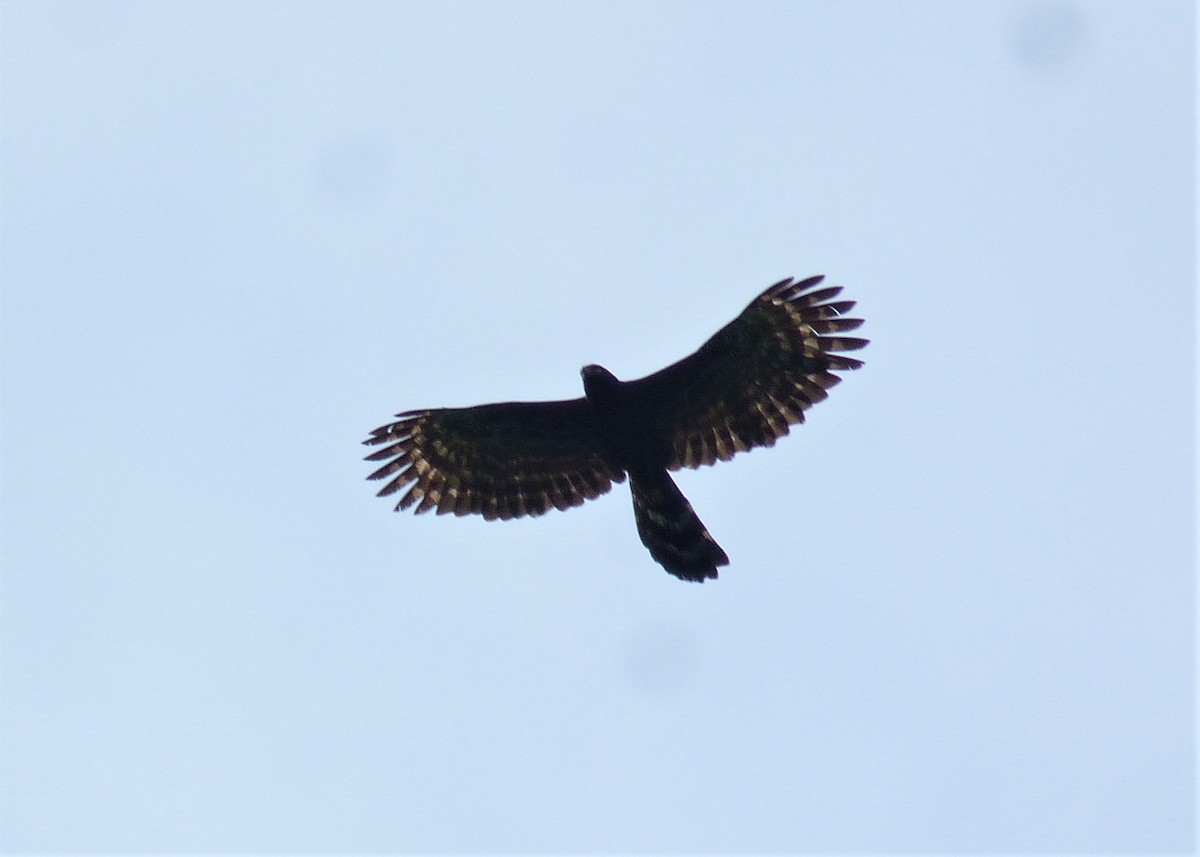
(740,390)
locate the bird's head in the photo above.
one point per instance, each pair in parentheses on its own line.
(597,380)
(595,372)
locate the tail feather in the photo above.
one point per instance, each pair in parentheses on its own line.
(670,529)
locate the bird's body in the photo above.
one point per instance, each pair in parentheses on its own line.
(630,441)
(741,389)
(666,522)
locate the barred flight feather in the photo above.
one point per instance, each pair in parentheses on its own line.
(757,375)
(457,463)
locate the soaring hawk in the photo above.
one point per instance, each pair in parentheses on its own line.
(742,389)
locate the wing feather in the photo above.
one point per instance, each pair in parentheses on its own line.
(501,461)
(755,377)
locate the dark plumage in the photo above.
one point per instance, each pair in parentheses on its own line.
(742,389)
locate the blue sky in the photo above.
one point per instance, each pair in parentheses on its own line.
(236,237)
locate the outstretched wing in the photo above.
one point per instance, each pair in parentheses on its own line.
(755,377)
(501,461)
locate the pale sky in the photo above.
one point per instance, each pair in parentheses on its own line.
(236,237)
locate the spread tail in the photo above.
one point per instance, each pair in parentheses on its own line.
(669,528)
